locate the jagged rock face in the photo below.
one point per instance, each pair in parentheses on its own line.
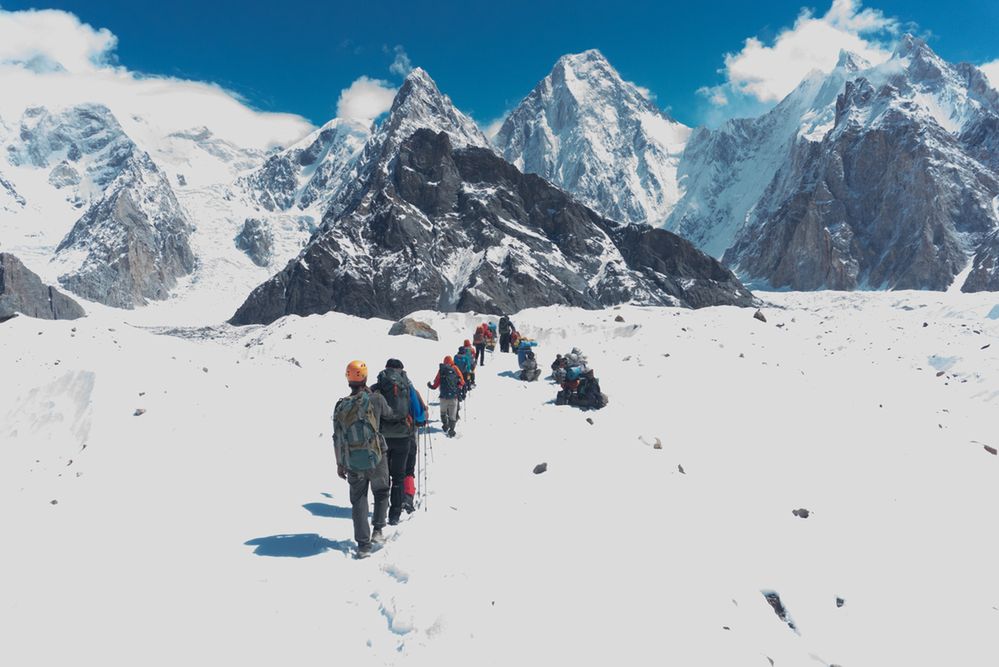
(132,244)
(21,291)
(257,240)
(887,186)
(887,200)
(308,172)
(85,139)
(461,229)
(597,136)
(984,276)
(724,172)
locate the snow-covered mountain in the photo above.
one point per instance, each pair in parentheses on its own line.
(306,174)
(868,177)
(590,132)
(435,219)
(132,244)
(419,104)
(724,172)
(83,149)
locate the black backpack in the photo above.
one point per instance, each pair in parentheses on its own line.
(505,325)
(394,386)
(449,381)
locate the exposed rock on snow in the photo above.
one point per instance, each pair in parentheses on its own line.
(10,200)
(410,327)
(460,229)
(599,137)
(132,244)
(256,240)
(775,602)
(540,468)
(21,291)
(760,316)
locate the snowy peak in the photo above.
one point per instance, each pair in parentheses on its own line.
(84,147)
(420,104)
(851,62)
(590,79)
(598,136)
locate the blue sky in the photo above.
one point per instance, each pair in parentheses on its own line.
(297,56)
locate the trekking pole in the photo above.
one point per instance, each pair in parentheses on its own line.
(426,446)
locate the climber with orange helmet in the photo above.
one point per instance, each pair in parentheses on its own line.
(361,454)
(451,382)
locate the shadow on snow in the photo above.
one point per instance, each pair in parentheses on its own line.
(328,511)
(297,546)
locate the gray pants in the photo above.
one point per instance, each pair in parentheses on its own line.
(449,413)
(378,479)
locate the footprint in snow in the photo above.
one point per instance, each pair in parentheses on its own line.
(396,572)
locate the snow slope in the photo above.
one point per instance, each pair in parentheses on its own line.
(212,529)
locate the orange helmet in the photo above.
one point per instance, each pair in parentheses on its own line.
(357,371)
(468,343)
(449,361)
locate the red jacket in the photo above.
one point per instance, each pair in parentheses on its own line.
(437,378)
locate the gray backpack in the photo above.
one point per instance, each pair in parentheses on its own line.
(359,431)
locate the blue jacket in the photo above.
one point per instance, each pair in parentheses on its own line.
(416,410)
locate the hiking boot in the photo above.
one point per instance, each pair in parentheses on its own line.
(364,549)
(377,536)
(393,521)
(450,433)
(409,507)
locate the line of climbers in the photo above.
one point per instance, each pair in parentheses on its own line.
(375,428)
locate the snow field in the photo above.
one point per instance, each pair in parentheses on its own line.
(213,528)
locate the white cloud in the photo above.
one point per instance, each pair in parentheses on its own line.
(992,72)
(50,58)
(768,72)
(55,39)
(365,99)
(402,65)
(714,94)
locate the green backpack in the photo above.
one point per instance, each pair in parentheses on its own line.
(359,431)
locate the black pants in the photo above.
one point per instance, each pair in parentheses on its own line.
(411,459)
(504,342)
(480,353)
(398,459)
